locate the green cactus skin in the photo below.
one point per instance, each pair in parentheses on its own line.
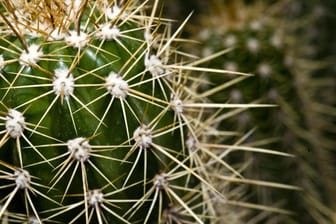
(94,117)
(270,48)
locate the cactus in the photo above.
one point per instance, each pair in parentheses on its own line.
(321,117)
(265,43)
(101,120)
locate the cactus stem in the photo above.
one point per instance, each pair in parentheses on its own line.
(95,200)
(46,112)
(177,105)
(114,214)
(23,181)
(146,98)
(15,123)
(183,204)
(21,39)
(77,40)
(161,183)
(157,191)
(103,69)
(154,65)
(79,149)
(108,32)
(143,137)
(19,73)
(79,153)
(141,201)
(79,16)
(218,159)
(143,140)
(209,70)
(33,55)
(34,220)
(225,105)
(116,86)
(10,198)
(63,83)
(33,147)
(230,148)
(186,168)
(15,126)
(173,36)
(96,197)
(6,49)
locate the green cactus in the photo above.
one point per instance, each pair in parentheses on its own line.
(101,120)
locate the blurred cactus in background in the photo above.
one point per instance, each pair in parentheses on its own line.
(276,41)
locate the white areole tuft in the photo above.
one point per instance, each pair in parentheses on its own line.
(116,86)
(64,83)
(15,123)
(33,54)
